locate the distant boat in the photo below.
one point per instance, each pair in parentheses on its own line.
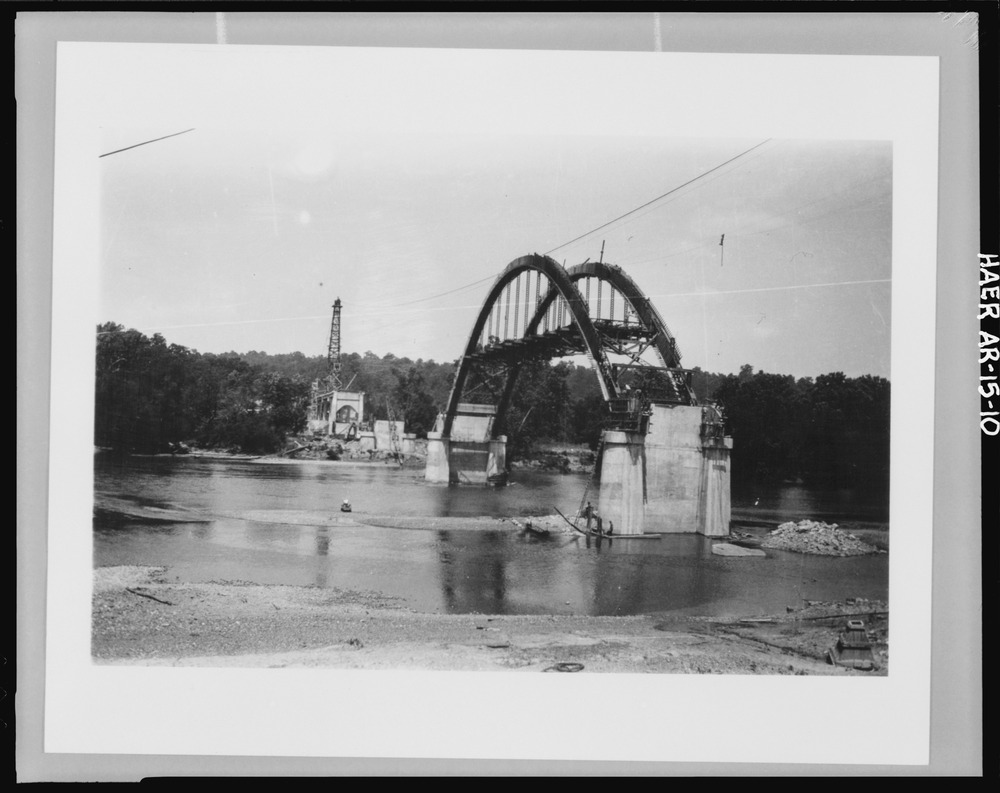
(536,531)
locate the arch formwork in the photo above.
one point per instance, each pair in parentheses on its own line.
(664,461)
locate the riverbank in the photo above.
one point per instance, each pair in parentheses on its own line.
(142,617)
(560,458)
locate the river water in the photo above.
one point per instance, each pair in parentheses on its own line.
(226,520)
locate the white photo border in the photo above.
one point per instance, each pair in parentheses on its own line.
(333,713)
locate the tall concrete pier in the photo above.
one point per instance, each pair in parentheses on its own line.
(622,495)
(672,478)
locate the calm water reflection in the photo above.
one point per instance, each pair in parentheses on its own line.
(456,571)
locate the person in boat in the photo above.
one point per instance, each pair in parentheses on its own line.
(346,506)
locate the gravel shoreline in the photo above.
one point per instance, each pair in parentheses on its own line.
(141,618)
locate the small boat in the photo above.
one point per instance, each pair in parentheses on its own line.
(528,528)
(631,536)
(604,535)
(535,530)
(609,536)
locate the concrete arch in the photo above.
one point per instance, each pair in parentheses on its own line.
(563,284)
(664,341)
(560,286)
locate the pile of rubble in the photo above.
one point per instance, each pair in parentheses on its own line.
(317,447)
(809,536)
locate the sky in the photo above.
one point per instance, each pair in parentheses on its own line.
(240,233)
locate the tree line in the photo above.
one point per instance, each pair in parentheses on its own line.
(150,395)
(831,431)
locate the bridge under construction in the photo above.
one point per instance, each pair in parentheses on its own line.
(663,458)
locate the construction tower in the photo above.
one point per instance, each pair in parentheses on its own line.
(333,352)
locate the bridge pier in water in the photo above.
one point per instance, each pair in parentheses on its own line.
(672,478)
(438,450)
(470,454)
(621,503)
(468,462)
(496,461)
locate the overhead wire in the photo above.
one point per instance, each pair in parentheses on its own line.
(379,313)
(658,198)
(746,234)
(773,288)
(699,182)
(443,294)
(154,140)
(656,205)
(598,228)
(798,221)
(649,205)
(634,214)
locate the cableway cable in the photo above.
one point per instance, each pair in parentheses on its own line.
(658,198)
(136,145)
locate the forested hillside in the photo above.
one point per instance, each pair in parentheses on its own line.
(150,394)
(831,431)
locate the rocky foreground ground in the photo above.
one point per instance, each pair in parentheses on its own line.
(139,617)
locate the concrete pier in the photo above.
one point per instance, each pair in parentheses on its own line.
(623,479)
(675,478)
(496,462)
(437,459)
(469,455)
(715,503)
(464,461)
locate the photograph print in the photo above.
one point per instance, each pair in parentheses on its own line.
(508,362)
